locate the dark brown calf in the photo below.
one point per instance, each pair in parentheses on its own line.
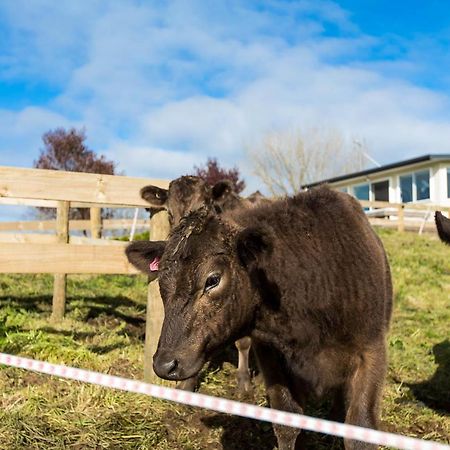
(306,277)
(443,227)
(190,193)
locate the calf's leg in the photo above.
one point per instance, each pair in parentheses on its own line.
(279,391)
(363,392)
(243,372)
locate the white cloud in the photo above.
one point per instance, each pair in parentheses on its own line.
(162,86)
(152,162)
(198,123)
(21,134)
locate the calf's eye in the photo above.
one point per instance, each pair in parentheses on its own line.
(212,281)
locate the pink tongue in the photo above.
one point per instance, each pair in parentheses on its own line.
(154,265)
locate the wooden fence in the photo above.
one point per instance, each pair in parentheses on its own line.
(403,216)
(62,254)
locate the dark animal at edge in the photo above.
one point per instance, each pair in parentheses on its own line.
(306,277)
(443,227)
(190,193)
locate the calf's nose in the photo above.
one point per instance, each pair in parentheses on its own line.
(166,367)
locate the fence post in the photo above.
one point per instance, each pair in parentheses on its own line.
(96,223)
(401,217)
(159,230)
(60,279)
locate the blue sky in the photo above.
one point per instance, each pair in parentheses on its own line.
(162,85)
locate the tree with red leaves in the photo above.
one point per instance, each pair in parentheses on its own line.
(212,173)
(66,150)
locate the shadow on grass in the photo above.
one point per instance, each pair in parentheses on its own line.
(318,441)
(104,349)
(239,433)
(110,302)
(28,303)
(435,392)
(43,303)
(97,311)
(102,311)
(77,335)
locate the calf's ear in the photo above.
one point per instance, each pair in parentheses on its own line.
(145,255)
(252,245)
(154,195)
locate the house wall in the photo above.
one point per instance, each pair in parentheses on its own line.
(438,181)
(441,183)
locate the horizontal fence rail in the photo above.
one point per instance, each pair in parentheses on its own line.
(415,206)
(54,203)
(408,225)
(64,258)
(74,186)
(35,238)
(74,225)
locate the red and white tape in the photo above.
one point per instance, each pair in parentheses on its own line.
(225,406)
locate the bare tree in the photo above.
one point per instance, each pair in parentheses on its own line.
(286,161)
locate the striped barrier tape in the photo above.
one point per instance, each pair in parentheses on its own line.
(224,406)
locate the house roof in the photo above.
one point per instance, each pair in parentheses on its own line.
(391,166)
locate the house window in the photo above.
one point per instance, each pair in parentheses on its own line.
(422,184)
(406,188)
(415,186)
(380,191)
(361,192)
(448,182)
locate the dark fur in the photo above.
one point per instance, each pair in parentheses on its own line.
(307,278)
(443,227)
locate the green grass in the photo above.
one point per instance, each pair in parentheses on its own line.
(104,331)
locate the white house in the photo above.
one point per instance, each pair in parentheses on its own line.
(425,179)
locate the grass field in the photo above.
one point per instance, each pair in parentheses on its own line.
(104,331)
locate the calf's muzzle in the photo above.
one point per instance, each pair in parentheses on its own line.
(170,366)
(166,366)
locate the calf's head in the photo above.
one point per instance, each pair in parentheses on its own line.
(190,193)
(204,276)
(185,194)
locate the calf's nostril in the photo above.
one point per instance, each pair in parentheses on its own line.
(170,367)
